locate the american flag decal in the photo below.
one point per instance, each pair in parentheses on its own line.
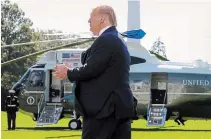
(75,55)
(71,55)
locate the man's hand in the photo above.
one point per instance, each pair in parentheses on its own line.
(61,71)
(67,64)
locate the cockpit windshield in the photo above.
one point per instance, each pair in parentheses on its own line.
(36,78)
(33,78)
(25,77)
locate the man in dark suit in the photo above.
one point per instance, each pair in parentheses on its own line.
(102,92)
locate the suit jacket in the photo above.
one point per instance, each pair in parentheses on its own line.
(102,83)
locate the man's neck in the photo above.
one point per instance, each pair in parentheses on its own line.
(103,29)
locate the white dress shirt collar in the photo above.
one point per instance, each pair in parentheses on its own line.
(102,30)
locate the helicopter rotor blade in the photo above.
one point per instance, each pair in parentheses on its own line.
(46,41)
(43,51)
(134,34)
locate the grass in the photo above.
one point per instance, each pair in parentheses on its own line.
(199,129)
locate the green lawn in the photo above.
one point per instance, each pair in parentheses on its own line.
(200,129)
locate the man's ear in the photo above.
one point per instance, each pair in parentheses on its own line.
(102,19)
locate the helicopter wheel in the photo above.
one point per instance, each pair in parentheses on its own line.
(35,117)
(179,121)
(75,124)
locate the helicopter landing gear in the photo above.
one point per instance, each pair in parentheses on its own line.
(34,118)
(75,124)
(179,121)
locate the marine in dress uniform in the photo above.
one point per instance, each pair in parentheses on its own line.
(12,106)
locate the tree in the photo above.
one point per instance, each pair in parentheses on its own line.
(15,28)
(159,48)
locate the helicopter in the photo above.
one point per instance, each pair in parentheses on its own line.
(163,89)
(182,89)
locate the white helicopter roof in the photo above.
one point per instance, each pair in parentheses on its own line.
(153,64)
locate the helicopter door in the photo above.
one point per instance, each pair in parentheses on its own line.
(55,89)
(159,83)
(157,111)
(34,86)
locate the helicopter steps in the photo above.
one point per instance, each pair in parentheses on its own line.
(156,115)
(50,115)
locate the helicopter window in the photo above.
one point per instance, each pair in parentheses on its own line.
(136,60)
(25,77)
(66,55)
(36,78)
(162,85)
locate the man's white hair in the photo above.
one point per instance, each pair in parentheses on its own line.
(108,10)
